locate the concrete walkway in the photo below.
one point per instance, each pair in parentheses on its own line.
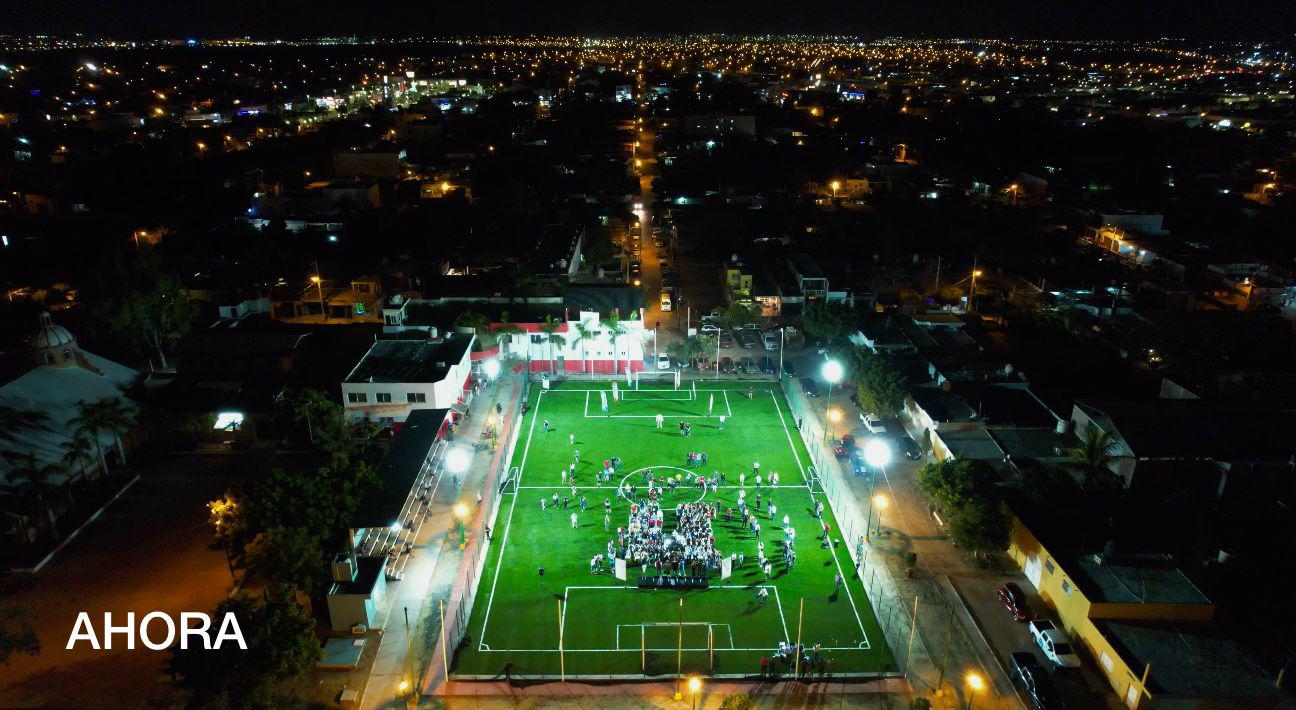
(430,573)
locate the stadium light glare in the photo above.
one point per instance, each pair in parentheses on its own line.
(457,461)
(876,453)
(832,371)
(492,368)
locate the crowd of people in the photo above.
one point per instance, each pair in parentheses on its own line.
(688,549)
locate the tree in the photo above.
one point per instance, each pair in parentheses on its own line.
(550,329)
(34,481)
(738,701)
(684,349)
(151,309)
(736,315)
(828,320)
(505,332)
(325,423)
(320,501)
(289,556)
(16,635)
(116,416)
(880,386)
(77,452)
(585,333)
(480,326)
(981,525)
(616,329)
(952,484)
(88,423)
(1095,453)
(1050,487)
(281,644)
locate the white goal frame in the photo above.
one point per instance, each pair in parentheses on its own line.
(655,375)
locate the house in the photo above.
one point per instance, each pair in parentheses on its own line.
(396,377)
(1153,440)
(558,251)
(809,277)
(1146,625)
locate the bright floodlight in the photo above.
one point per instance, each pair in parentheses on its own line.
(694,684)
(832,371)
(975,681)
(492,368)
(876,453)
(460,511)
(456,461)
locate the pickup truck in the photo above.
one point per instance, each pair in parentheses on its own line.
(1056,646)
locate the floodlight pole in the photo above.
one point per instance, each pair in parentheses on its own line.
(796,668)
(562,661)
(679,651)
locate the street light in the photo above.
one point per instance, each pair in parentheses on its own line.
(694,686)
(491,368)
(879,502)
(832,373)
(975,683)
(835,185)
(834,416)
(972,289)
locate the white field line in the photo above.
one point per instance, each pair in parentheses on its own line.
(499,562)
(832,551)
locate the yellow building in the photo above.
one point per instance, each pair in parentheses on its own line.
(1147,627)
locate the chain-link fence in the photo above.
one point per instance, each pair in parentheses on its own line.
(457,609)
(916,616)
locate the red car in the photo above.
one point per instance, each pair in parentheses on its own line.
(1014,599)
(844,446)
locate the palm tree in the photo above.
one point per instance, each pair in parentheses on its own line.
(32,480)
(506,329)
(89,422)
(1095,453)
(478,323)
(552,338)
(117,417)
(616,329)
(77,452)
(585,333)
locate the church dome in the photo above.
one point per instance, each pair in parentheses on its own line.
(49,335)
(52,344)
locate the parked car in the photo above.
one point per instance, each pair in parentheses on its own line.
(1014,599)
(1034,680)
(770,341)
(668,274)
(872,423)
(858,465)
(747,365)
(909,447)
(750,326)
(709,329)
(701,362)
(809,387)
(1056,646)
(665,301)
(663,264)
(726,339)
(767,365)
(789,368)
(747,339)
(711,317)
(726,365)
(659,242)
(663,361)
(844,447)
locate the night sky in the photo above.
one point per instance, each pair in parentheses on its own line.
(1081,19)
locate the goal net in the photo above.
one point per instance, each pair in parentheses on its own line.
(656,378)
(666,646)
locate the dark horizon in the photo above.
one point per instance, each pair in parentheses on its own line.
(1243,20)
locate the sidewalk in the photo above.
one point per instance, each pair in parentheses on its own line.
(944,635)
(431,572)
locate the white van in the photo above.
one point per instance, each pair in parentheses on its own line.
(665,302)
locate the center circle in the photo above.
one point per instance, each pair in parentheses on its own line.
(638,471)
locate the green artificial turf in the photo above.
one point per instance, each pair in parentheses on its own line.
(515,617)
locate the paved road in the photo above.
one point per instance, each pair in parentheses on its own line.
(150,551)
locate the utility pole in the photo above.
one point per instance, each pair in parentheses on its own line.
(938,270)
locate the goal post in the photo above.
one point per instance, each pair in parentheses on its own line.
(659,640)
(650,377)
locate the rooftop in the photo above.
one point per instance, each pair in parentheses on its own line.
(1136,579)
(1189,660)
(972,444)
(1197,428)
(399,470)
(410,360)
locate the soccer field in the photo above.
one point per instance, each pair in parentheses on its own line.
(609,626)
